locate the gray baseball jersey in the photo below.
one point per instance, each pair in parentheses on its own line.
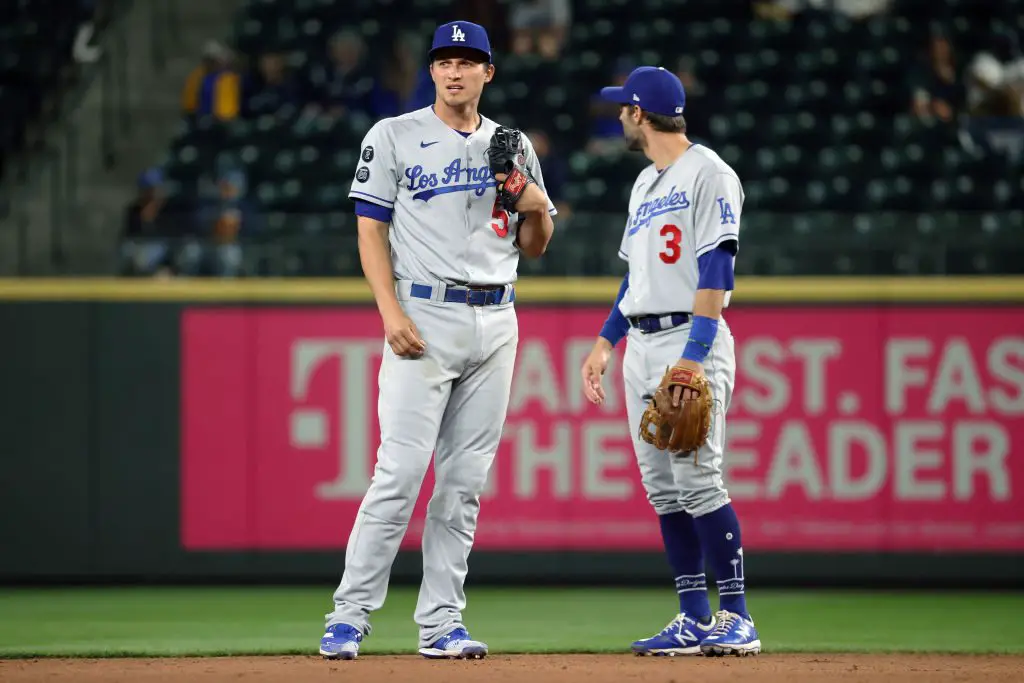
(451,403)
(675,217)
(444,224)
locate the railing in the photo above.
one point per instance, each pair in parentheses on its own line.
(57,179)
(308,244)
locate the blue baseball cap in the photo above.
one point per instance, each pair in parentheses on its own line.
(151,177)
(464,34)
(652,88)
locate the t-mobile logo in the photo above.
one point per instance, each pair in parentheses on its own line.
(309,426)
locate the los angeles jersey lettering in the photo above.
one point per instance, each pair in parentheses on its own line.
(444,223)
(675,217)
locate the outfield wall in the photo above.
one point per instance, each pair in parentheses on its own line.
(226,431)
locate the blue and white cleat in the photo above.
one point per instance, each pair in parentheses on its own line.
(734,635)
(682,636)
(341,641)
(455,645)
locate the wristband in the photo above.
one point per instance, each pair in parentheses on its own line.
(702,337)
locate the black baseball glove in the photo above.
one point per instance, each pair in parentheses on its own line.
(505,155)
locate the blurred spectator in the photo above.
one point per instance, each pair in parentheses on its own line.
(405,84)
(343,81)
(605,127)
(937,89)
(996,135)
(698,109)
(271,88)
(1013,78)
(493,15)
(83,49)
(852,9)
(147,233)
(213,87)
(1014,71)
(222,219)
(996,107)
(554,167)
(540,26)
(983,82)
(1005,47)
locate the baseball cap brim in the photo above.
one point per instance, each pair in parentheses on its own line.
(484,56)
(615,94)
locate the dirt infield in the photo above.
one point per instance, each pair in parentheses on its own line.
(528,668)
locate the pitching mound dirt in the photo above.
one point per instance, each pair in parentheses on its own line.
(765,668)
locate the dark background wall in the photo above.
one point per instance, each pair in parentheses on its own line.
(90,439)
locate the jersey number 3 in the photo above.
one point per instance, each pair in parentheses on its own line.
(673,240)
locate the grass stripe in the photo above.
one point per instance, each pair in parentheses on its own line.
(122,622)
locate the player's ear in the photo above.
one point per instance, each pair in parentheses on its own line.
(488,72)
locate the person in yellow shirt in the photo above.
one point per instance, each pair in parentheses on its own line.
(214,87)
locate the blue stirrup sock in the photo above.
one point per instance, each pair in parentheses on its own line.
(720,537)
(685,556)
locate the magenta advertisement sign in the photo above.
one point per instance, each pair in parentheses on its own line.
(861,428)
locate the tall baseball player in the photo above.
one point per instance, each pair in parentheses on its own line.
(680,241)
(446,200)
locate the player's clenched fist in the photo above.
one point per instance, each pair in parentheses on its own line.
(402,335)
(593,370)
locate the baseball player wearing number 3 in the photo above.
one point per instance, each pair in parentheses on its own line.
(446,201)
(680,242)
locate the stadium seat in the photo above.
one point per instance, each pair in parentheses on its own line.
(812,113)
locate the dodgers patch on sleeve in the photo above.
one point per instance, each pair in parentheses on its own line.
(368,153)
(363,174)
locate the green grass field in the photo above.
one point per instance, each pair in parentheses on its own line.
(236,621)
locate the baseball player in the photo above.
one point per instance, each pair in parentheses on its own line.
(446,200)
(680,242)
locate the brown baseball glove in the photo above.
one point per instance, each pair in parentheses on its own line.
(682,428)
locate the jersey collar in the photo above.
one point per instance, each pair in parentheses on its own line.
(479,125)
(676,160)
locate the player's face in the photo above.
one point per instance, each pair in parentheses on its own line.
(459,77)
(629,116)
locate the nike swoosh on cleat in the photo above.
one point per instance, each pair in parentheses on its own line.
(424,145)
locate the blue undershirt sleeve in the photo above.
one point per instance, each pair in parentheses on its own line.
(374,211)
(616,326)
(716,267)
(716,272)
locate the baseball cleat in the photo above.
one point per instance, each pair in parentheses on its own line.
(734,635)
(682,636)
(341,641)
(455,645)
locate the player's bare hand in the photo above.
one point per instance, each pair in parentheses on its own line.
(593,370)
(402,336)
(681,392)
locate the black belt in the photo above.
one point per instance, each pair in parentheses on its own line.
(656,323)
